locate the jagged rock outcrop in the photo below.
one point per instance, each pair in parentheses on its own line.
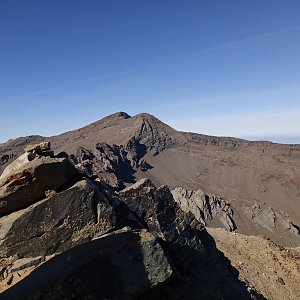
(137,189)
(155,135)
(31,151)
(26,181)
(157,209)
(186,242)
(204,207)
(273,221)
(58,223)
(173,259)
(114,164)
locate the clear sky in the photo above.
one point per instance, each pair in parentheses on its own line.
(214,67)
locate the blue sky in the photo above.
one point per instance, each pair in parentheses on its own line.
(214,67)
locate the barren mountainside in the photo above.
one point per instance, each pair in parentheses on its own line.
(259,181)
(129,208)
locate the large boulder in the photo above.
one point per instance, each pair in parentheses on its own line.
(57,223)
(202,272)
(158,210)
(122,265)
(24,182)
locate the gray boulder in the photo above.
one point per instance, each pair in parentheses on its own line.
(276,223)
(204,207)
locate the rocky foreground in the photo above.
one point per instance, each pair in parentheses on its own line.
(66,236)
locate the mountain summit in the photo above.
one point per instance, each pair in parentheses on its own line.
(160,204)
(259,180)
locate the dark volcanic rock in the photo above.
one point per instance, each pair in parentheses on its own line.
(122,265)
(5,158)
(157,208)
(25,182)
(118,266)
(202,271)
(58,223)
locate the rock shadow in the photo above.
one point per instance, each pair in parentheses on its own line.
(111,267)
(205,276)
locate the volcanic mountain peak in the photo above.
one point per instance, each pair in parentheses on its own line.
(118,128)
(254,177)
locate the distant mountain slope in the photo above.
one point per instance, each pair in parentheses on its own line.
(260,180)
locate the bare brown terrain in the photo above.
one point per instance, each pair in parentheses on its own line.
(260,180)
(271,270)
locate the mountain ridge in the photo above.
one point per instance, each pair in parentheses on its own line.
(124,115)
(258,179)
